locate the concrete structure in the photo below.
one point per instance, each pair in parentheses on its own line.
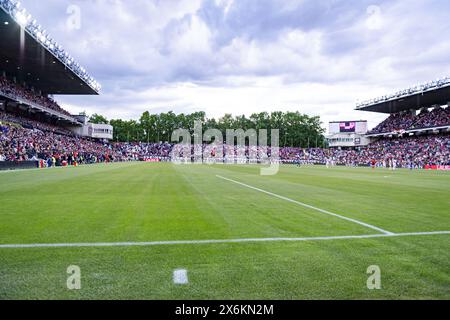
(92,130)
(348,134)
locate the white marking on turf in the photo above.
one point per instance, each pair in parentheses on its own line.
(194,242)
(307,205)
(180,276)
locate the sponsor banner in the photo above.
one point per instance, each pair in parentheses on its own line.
(152,160)
(434,167)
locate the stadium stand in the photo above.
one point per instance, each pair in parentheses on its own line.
(16,92)
(399,121)
(416,151)
(438,117)
(34,127)
(27,121)
(23,144)
(43,142)
(142,151)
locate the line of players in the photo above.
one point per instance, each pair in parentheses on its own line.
(387,164)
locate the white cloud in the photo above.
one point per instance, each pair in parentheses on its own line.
(191,37)
(225,5)
(374,20)
(165,55)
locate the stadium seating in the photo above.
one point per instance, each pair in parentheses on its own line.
(12,89)
(415,151)
(43,142)
(436,118)
(30,123)
(406,121)
(23,139)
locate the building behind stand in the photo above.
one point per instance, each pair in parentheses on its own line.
(92,130)
(348,134)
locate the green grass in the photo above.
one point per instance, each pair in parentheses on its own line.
(136,202)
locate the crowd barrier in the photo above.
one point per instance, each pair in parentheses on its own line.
(13,165)
(437,167)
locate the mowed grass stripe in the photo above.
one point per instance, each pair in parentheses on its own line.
(306,205)
(145,202)
(158,202)
(412,268)
(131,204)
(396,203)
(244,211)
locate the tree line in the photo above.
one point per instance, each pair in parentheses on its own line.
(295,129)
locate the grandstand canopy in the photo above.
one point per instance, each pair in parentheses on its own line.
(26,59)
(416,101)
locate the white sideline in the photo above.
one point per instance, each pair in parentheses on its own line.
(308,206)
(194,242)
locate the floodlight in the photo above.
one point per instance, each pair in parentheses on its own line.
(25,20)
(21,18)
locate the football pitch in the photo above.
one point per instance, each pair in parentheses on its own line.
(305,233)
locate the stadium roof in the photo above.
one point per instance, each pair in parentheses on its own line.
(421,96)
(30,55)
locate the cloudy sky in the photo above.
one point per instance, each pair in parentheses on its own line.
(243,56)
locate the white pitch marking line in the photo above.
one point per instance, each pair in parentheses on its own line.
(180,276)
(195,242)
(308,206)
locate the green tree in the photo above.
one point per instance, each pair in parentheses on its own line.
(296,129)
(98,119)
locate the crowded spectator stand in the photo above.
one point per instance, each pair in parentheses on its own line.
(16,92)
(23,139)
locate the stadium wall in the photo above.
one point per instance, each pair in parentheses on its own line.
(13,165)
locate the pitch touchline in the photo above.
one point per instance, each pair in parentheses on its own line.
(186,242)
(307,205)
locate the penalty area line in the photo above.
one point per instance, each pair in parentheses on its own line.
(224,241)
(307,206)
